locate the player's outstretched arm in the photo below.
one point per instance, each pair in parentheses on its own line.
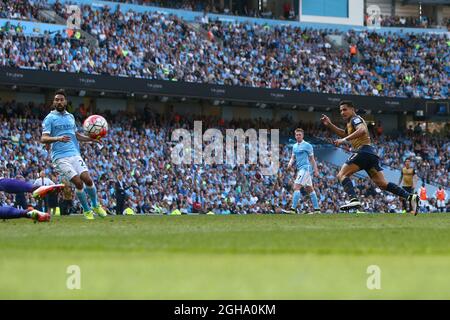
(360,131)
(327,123)
(312,159)
(291,161)
(46,138)
(83,138)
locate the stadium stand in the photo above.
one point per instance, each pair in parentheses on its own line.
(162,46)
(157,186)
(288,12)
(20,10)
(405,22)
(167,48)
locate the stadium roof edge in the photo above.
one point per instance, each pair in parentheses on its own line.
(193,15)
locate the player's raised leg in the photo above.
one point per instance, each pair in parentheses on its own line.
(42,191)
(18,186)
(15,186)
(91,191)
(347,170)
(14,213)
(413,199)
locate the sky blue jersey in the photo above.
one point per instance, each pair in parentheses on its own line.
(58,124)
(302,151)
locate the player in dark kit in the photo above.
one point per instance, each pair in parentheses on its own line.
(364,157)
(19,186)
(409,178)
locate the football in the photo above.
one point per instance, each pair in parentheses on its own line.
(95,127)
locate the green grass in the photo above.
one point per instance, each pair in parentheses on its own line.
(228,257)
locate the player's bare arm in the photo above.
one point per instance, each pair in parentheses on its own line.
(360,131)
(401,178)
(291,161)
(327,123)
(314,164)
(47,139)
(83,138)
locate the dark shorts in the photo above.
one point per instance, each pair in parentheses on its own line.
(409,189)
(366,161)
(52,200)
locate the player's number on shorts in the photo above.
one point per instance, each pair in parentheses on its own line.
(82,163)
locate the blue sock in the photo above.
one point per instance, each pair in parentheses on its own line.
(83,200)
(12,213)
(92,193)
(295,199)
(314,200)
(15,186)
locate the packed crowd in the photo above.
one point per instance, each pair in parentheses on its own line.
(20,10)
(304,60)
(208,6)
(28,9)
(415,22)
(402,22)
(287,12)
(138,148)
(190,5)
(157,46)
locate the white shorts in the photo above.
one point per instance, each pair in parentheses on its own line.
(440,203)
(303,178)
(423,203)
(70,167)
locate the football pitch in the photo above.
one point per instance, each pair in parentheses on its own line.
(228,257)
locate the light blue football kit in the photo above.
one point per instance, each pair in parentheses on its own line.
(66,156)
(58,124)
(302,152)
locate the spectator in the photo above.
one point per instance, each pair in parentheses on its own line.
(20,199)
(52,198)
(120,193)
(43,181)
(423,198)
(67,198)
(441,197)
